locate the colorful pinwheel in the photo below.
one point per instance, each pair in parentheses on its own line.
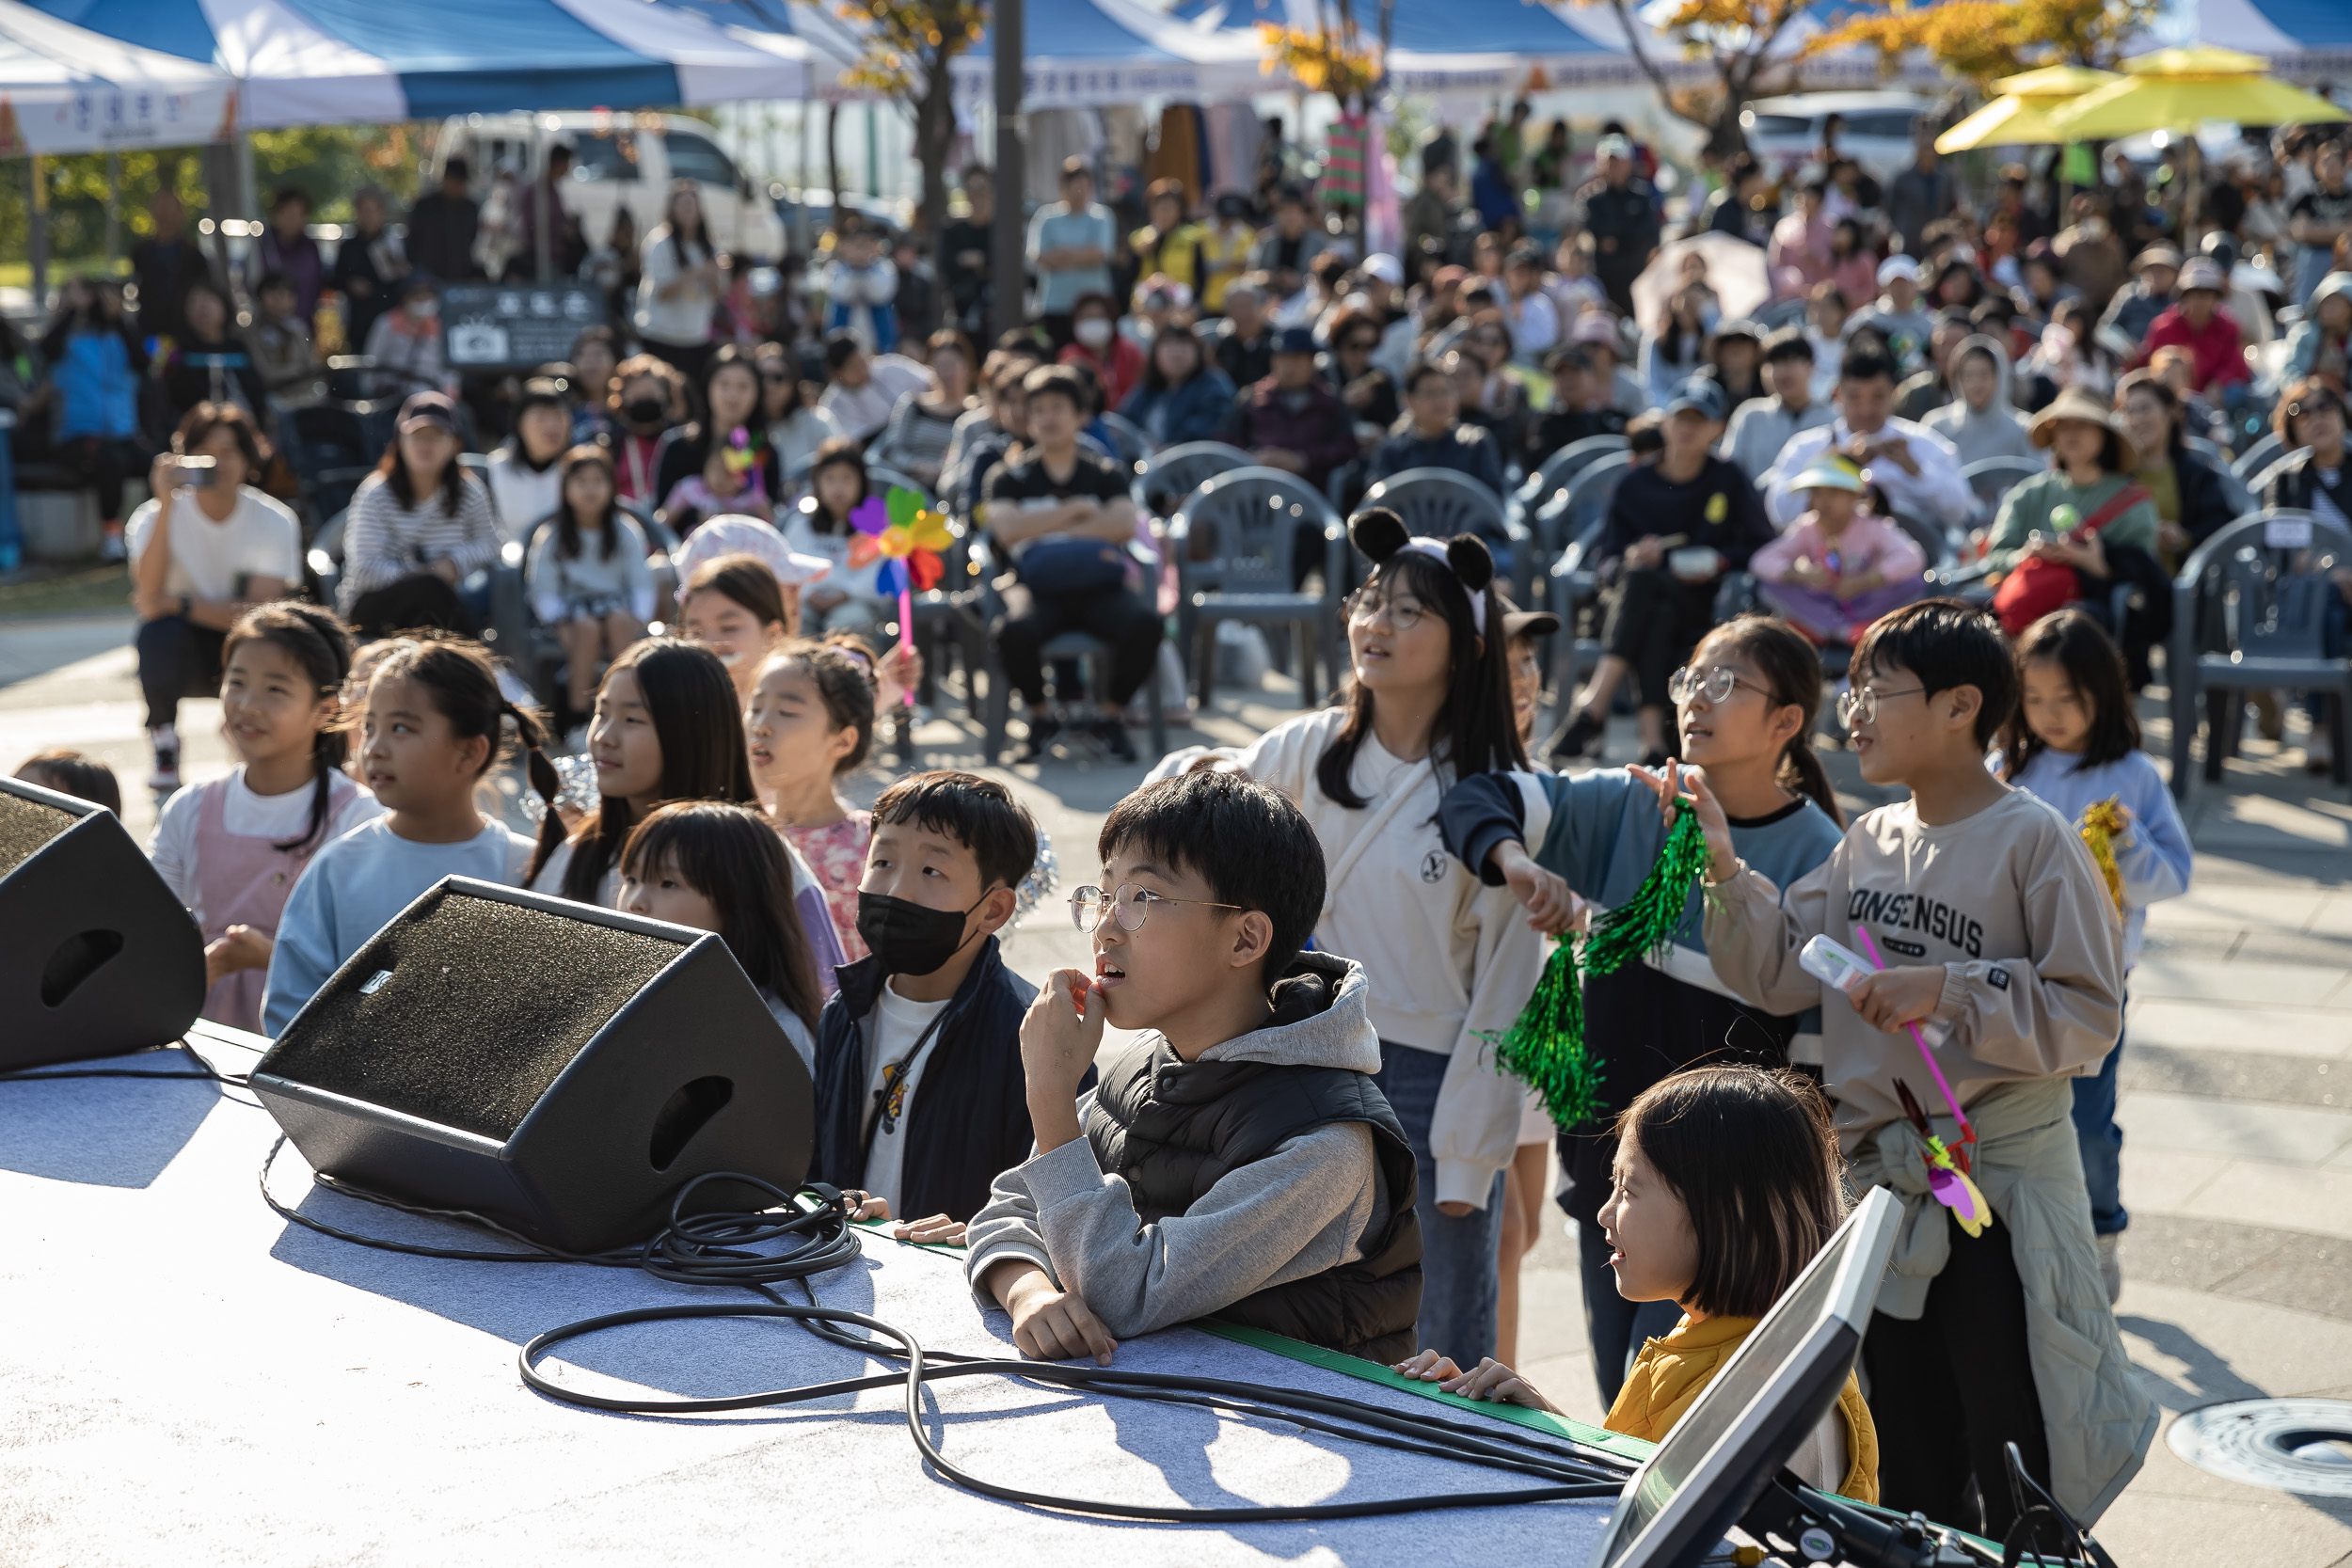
(905,535)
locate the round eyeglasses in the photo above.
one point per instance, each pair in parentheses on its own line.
(1404,614)
(1716,684)
(1130,906)
(1860,706)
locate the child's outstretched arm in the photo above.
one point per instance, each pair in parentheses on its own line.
(1754,930)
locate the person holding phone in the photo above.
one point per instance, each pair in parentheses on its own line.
(207,549)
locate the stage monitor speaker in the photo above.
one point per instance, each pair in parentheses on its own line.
(558,1068)
(97,956)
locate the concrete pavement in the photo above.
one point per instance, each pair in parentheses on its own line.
(2236,1078)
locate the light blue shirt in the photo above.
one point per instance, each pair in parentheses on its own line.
(353,887)
(2153,853)
(1056,226)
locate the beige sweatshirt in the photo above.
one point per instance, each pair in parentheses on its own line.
(2008,901)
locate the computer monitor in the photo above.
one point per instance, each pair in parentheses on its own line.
(1776,1388)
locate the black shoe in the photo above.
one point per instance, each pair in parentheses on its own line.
(1579,738)
(1043,729)
(1113,735)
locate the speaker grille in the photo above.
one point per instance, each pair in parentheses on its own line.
(25,825)
(485,1005)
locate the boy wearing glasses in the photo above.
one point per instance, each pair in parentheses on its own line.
(2000,942)
(1236,1158)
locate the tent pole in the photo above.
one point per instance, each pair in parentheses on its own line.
(800,208)
(1009,246)
(113,206)
(545,257)
(219,203)
(38,175)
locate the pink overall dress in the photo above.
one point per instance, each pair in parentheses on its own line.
(246,880)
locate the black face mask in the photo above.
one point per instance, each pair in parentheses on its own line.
(643,411)
(910,937)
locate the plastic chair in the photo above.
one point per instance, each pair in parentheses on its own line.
(1128,440)
(1533,503)
(1253,517)
(327,445)
(998,708)
(1441,503)
(1169,475)
(1991,478)
(2254,459)
(2265,587)
(1571,584)
(2278,464)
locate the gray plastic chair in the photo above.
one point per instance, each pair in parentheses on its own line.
(1441,503)
(1251,519)
(997,707)
(2254,459)
(2279,464)
(1128,439)
(1571,583)
(1170,475)
(2262,584)
(1991,478)
(1535,505)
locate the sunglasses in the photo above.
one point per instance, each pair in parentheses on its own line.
(2301,408)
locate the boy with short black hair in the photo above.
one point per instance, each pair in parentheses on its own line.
(2003,946)
(919,1101)
(1237,1158)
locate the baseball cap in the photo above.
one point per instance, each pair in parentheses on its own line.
(2202,272)
(429,409)
(1528,622)
(1698,394)
(1387,268)
(737,533)
(1294,339)
(2157,256)
(1740,327)
(1898,265)
(1613,147)
(1595,326)
(1828,472)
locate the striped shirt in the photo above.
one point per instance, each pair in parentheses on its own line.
(384,540)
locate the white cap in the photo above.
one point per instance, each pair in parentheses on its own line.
(1898,265)
(737,533)
(1387,268)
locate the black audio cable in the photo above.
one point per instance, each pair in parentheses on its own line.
(738,1249)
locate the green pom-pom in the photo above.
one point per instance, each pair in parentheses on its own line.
(1646,922)
(1543,1047)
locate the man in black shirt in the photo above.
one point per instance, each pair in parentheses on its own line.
(1065,519)
(1622,219)
(1674,528)
(1245,344)
(443,225)
(1579,407)
(166,265)
(963,252)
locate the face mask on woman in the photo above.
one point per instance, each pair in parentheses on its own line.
(1093,331)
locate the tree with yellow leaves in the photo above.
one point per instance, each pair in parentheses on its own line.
(911,48)
(1332,57)
(1736,36)
(1980,41)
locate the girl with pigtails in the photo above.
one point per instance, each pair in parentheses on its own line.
(1450,962)
(1745,705)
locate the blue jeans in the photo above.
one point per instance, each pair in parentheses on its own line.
(1614,1326)
(1460,1284)
(2102,1146)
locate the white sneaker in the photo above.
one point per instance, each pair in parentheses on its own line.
(2111,1266)
(166,742)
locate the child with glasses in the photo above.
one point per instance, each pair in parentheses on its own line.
(1237,1156)
(2000,943)
(1745,705)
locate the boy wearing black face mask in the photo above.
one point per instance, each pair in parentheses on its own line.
(920,1098)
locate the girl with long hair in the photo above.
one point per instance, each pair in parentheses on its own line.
(1451,961)
(233,850)
(587,576)
(1745,704)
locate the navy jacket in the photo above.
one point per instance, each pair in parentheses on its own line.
(968,1118)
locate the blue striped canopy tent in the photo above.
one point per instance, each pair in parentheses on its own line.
(327,62)
(66,89)
(1504,46)
(1091,53)
(2304,41)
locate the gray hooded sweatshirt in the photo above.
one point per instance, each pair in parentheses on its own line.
(1999,430)
(1301,1210)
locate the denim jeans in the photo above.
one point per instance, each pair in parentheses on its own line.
(1614,1326)
(1460,1284)
(2103,1145)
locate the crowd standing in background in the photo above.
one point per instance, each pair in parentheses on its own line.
(2027,404)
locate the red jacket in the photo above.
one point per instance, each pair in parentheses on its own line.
(2219,349)
(1117,370)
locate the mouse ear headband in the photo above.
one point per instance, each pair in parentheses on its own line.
(1381,535)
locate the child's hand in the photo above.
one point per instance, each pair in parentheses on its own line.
(1059,1039)
(240,947)
(1489,1380)
(1675,782)
(1891,998)
(865,1206)
(936,1230)
(898,672)
(1054,1325)
(1551,906)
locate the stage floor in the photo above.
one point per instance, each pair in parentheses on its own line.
(186,1379)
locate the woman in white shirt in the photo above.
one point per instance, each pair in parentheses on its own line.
(526,474)
(203,551)
(682,284)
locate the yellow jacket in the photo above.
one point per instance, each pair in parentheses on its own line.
(1669,1373)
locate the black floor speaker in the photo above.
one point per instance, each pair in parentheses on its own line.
(97,956)
(560,1069)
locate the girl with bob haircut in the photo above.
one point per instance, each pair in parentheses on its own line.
(587,577)
(1745,705)
(735,605)
(1450,962)
(720,868)
(1726,1183)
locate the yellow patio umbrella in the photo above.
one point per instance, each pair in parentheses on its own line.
(2021,116)
(2179,89)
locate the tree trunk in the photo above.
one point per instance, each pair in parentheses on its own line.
(832,161)
(934,140)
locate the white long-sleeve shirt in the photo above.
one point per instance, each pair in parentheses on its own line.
(1450,962)
(1936,492)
